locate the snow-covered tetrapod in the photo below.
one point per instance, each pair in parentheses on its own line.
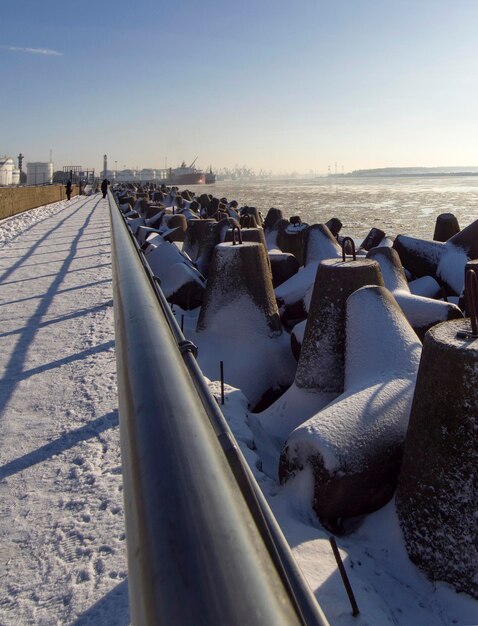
(181,282)
(319,377)
(199,242)
(272,217)
(294,294)
(321,362)
(421,312)
(445,261)
(437,496)
(239,322)
(354,445)
(290,237)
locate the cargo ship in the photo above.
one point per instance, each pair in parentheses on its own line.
(187,175)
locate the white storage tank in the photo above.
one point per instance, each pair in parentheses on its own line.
(6,170)
(39,173)
(16,177)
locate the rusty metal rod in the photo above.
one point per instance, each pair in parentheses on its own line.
(345,241)
(345,578)
(471,292)
(221,363)
(236,228)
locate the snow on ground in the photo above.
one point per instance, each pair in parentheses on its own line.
(62,536)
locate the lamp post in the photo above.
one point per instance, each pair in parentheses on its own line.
(20,167)
(116,171)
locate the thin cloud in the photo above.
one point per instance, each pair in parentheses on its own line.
(44,51)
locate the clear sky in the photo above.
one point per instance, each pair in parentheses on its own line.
(270,84)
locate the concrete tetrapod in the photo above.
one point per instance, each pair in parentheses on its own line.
(320,244)
(354,446)
(292,295)
(373,239)
(437,496)
(421,312)
(239,323)
(290,238)
(199,242)
(334,225)
(283,266)
(126,200)
(297,338)
(319,378)
(252,211)
(248,234)
(170,227)
(181,282)
(321,362)
(272,217)
(444,261)
(176,226)
(446,226)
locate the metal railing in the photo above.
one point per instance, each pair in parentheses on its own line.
(203,545)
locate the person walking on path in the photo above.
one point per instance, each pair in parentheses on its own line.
(104,187)
(68,189)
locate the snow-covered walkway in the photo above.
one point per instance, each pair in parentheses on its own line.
(62,536)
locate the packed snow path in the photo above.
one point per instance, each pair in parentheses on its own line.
(62,536)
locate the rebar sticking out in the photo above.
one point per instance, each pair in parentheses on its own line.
(348,243)
(471,299)
(471,290)
(236,229)
(221,365)
(345,578)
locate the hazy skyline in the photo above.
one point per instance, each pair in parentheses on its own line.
(264,83)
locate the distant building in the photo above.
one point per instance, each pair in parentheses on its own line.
(127,175)
(6,170)
(147,175)
(109,174)
(39,173)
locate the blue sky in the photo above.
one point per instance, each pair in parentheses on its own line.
(269,84)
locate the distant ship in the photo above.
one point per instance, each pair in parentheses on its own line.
(187,175)
(210,177)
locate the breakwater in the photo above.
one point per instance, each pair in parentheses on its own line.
(354,321)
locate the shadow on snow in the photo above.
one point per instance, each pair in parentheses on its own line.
(111,610)
(66,441)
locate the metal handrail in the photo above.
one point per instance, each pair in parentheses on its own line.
(196,552)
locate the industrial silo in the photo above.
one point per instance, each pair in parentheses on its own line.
(39,173)
(6,170)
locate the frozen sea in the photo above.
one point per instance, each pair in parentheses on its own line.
(408,205)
